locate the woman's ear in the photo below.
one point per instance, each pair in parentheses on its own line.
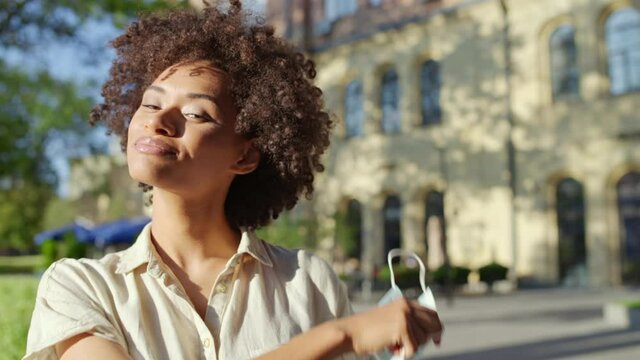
(248,162)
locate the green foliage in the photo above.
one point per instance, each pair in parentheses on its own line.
(632,304)
(62,18)
(49,251)
(39,110)
(458,275)
(492,272)
(17,299)
(346,234)
(406,277)
(289,232)
(21,211)
(72,248)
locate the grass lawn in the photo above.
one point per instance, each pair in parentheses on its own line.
(17,297)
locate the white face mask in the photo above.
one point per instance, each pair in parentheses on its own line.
(426,299)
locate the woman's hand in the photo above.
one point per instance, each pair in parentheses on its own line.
(399,324)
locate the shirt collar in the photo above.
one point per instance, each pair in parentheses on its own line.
(143,251)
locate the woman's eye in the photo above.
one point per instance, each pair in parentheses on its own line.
(151,106)
(203,117)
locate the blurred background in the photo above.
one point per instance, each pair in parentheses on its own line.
(497,139)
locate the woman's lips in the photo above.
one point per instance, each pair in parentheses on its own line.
(151,146)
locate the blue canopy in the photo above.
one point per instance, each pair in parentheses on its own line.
(81,233)
(122,231)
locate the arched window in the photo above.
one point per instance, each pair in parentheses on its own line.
(565,78)
(430,83)
(622,35)
(389,99)
(392,213)
(629,215)
(572,252)
(354,115)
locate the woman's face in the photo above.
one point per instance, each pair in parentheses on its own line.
(182,137)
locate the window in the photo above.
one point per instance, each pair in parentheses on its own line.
(389,99)
(335,9)
(354,114)
(570,217)
(629,217)
(564,67)
(622,35)
(430,83)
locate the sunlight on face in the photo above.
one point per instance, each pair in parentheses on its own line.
(182,136)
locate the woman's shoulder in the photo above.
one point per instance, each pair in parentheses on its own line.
(83,270)
(310,278)
(302,263)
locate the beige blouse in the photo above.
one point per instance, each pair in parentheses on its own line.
(264,296)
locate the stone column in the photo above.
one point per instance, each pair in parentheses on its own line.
(372,242)
(599,264)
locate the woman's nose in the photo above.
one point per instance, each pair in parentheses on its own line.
(163,123)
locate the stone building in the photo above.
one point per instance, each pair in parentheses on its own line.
(506,131)
(101,189)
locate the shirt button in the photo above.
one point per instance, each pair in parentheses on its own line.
(222,288)
(206,343)
(155,272)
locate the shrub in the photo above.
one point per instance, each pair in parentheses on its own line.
(492,272)
(49,250)
(458,275)
(406,277)
(73,248)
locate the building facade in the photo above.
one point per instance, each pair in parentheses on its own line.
(481,130)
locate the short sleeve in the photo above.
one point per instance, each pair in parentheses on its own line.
(335,292)
(67,305)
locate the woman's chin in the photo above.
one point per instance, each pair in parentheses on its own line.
(150,174)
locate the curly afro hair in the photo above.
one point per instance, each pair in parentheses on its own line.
(279,107)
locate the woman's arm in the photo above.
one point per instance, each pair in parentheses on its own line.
(402,323)
(79,346)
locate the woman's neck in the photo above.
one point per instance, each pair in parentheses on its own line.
(192,230)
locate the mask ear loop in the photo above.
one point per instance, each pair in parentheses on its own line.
(399,252)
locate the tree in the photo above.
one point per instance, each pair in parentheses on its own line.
(290,232)
(37,109)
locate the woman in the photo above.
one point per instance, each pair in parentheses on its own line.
(220,121)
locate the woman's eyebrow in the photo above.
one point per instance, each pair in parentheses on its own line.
(156,88)
(209,97)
